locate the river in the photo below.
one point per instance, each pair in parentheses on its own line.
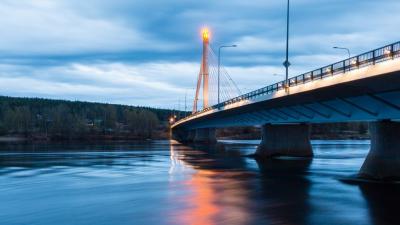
(163,182)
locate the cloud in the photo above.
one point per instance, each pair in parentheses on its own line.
(259,44)
(150,84)
(148,52)
(49,28)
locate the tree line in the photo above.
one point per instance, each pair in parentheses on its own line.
(59,119)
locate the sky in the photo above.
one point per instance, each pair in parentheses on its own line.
(147,53)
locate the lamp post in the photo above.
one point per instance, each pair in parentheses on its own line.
(219,65)
(185,103)
(287,63)
(348,50)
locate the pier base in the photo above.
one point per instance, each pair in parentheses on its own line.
(205,136)
(182,136)
(190,136)
(285,140)
(383,160)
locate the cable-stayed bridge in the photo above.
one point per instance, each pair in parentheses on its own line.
(365,87)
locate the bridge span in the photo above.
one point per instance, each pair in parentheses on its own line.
(362,88)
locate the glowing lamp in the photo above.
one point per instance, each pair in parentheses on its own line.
(387,52)
(206,34)
(353,62)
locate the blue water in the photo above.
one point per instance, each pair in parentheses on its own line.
(163,182)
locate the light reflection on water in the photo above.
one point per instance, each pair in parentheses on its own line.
(164,182)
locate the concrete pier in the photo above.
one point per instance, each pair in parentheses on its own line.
(285,140)
(201,136)
(178,135)
(183,136)
(205,136)
(190,136)
(383,160)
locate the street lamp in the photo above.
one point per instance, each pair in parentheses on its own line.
(348,50)
(185,102)
(287,63)
(219,64)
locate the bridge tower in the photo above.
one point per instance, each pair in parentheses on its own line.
(204,67)
(204,72)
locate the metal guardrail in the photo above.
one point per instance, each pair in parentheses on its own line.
(369,58)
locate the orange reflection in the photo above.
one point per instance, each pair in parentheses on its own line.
(216,197)
(202,208)
(213,196)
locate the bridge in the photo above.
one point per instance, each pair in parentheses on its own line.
(365,87)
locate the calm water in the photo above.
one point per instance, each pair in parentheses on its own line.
(167,183)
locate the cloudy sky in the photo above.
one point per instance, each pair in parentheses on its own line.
(147,52)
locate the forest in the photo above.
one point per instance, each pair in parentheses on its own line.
(36,118)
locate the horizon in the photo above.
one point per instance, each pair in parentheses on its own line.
(118,53)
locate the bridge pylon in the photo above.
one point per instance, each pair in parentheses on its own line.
(204,73)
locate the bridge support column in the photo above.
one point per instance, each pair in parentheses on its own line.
(285,140)
(383,160)
(191,135)
(182,135)
(205,135)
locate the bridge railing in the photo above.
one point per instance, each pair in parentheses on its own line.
(369,58)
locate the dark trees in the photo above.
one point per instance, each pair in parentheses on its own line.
(66,119)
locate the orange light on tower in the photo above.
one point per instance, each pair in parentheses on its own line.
(206,34)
